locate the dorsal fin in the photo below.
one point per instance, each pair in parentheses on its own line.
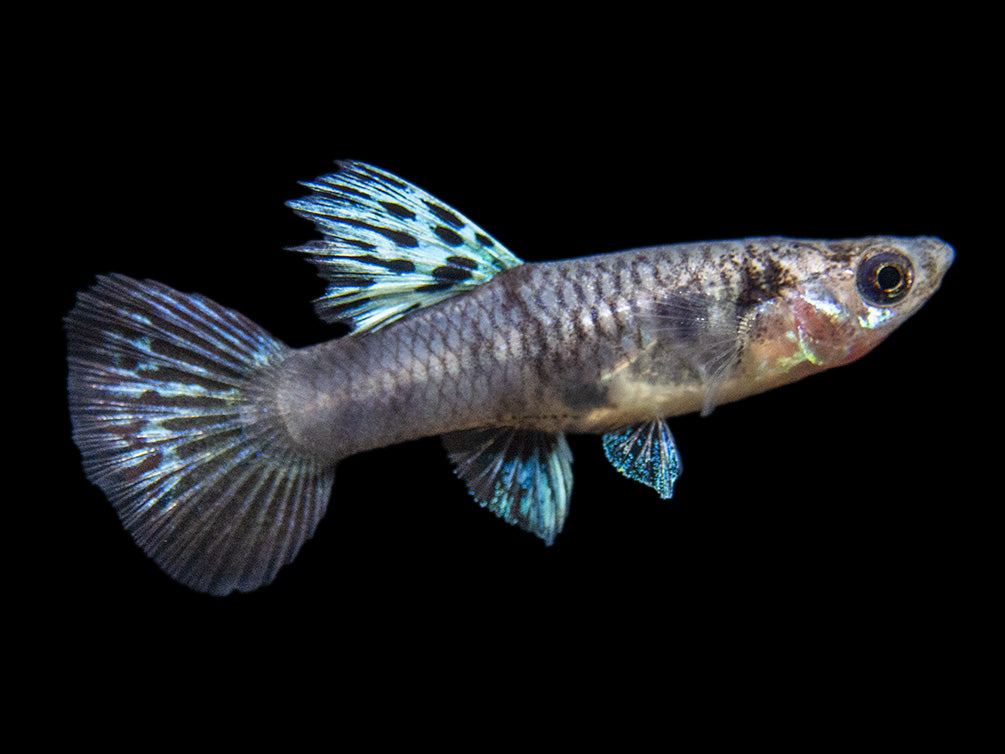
(389,247)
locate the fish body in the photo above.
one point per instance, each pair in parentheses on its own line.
(217,444)
(586,345)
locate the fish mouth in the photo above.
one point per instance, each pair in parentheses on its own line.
(948,255)
(938,256)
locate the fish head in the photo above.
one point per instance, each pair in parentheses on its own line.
(860,292)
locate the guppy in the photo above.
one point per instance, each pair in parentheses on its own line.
(217,444)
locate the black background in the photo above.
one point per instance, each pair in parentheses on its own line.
(831,515)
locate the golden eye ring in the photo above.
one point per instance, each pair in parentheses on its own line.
(885,277)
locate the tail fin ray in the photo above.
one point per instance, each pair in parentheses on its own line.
(170,397)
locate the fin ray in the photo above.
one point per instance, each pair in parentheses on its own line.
(169,398)
(389,247)
(646,453)
(706,333)
(523,476)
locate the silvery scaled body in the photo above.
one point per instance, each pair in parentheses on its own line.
(217,444)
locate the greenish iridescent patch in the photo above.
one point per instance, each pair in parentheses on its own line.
(646,453)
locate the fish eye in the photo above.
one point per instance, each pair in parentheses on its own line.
(885,278)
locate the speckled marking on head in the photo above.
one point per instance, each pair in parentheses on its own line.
(761,280)
(840,252)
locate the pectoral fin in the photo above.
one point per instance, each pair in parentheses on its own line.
(705,333)
(523,476)
(645,453)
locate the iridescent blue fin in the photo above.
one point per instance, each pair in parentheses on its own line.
(389,247)
(172,412)
(523,476)
(646,453)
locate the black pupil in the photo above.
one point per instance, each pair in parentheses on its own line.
(889,278)
(885,277)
